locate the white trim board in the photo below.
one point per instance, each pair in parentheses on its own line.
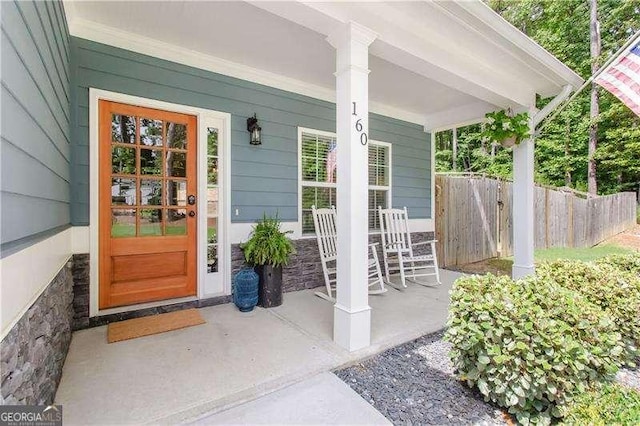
(239,232)
(104,34)
(432,135)
(21,283)
(204,117)
(80,239)
(217,283)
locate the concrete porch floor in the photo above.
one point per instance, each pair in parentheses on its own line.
(186,374)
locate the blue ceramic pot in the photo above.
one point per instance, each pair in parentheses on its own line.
(245,289)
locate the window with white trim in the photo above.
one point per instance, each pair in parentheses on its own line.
(319,176)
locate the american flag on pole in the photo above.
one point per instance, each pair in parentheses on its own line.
(622,79)
(332,162)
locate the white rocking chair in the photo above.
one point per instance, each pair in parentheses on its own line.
(398,251)
(327,235)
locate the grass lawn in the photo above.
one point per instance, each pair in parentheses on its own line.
(610,404)
(584,254)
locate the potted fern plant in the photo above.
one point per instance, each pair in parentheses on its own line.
(268,249)
(506,129)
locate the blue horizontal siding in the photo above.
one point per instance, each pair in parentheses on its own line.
(249,153)
(38,144)
(264,178)
(24,217)
(36,153)
(18,171)
(270,199)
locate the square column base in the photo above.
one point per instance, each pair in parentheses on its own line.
(351,329)
(518,271)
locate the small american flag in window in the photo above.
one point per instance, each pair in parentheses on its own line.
(331,162)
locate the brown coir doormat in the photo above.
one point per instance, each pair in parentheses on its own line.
(154,324)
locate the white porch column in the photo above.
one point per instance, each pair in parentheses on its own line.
(523,204)
(352,314)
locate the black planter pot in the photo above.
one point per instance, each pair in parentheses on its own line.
(270,291)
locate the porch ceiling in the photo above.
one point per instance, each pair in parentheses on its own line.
(435,64)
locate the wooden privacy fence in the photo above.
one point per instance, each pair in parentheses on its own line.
(474,218)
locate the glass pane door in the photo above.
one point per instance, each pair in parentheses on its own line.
(213,194)
(148,177)
(148,181)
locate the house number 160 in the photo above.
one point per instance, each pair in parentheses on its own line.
(363,135)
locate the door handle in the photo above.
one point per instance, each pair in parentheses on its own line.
(191,199)
(192,213)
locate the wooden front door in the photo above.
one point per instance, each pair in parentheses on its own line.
(147,244)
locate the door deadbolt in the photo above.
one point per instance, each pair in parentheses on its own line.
(191,199)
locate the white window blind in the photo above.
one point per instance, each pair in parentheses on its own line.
(319,176)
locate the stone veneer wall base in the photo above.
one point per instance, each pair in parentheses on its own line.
(33,353)
(304,270)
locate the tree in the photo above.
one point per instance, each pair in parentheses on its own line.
(594,32)
(562,150)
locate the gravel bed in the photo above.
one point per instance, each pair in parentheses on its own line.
(414,384)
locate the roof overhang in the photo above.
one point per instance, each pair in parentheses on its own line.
(438,64)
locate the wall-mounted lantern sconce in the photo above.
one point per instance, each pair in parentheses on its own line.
(255,131)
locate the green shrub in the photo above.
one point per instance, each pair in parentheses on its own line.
(616,291)
(530,345)
(624,262)
(606,405)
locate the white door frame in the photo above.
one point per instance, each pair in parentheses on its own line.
(206,118)
(217,283)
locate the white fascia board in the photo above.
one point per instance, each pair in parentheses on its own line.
(406,42)
(537,70)
(393,112)
(99,33)
(455,72)
(463,69)
(485,23)
(458,117)
(518,39)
